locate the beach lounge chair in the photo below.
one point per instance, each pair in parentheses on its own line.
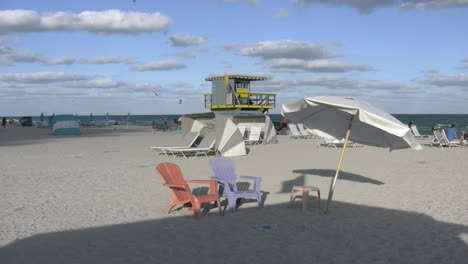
(187,142)
(453,143)
(415,130)
(438,140)
(206,146)
(223,169)
(181,193)
(242,130)
(254,136)
(335,143)
(303,131)
(294,132)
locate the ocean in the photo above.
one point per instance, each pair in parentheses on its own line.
(424,122)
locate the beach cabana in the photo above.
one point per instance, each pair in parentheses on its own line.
(229,141)
(65,125)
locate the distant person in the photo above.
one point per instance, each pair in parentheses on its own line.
(4,122)
(165,121)
(452,134)
(410,124)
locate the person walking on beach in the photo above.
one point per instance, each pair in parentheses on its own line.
(4,122)
(410,124)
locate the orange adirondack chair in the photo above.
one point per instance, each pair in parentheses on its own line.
(181,193)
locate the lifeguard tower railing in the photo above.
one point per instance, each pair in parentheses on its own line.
(243,101)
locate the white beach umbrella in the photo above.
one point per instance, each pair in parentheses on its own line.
(352,119)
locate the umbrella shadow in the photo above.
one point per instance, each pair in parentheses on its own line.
(286,186)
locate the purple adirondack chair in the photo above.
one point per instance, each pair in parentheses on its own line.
(223,169)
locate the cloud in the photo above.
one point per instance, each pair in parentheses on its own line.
(465,60)
(10,56)
(282,13)
(457,80)
(337,43)
(164,65)
(367,6)
(299,65)
(41,77)
(430,71)
(187,40)
(186,54)
(251,2)
(108,22)
(363,6)
(433,4)
(287,49)
(231,46)
(106,60)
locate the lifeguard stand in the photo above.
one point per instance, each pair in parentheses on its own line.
(232,93)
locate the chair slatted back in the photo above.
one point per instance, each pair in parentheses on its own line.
(415,131)
(208,140)
(293,129)
(171,174)
(255,133)
(190,138)
(223,169)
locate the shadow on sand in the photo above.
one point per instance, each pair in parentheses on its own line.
(286,186)
(350,233)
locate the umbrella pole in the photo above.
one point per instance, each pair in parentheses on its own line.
(333,182)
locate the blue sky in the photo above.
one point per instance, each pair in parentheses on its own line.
(78,57)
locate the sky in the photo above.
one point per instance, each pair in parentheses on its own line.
(111,56)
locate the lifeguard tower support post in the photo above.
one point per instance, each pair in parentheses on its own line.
(232,93)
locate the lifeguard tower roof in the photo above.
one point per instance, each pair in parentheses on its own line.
(239,77)
(231,92)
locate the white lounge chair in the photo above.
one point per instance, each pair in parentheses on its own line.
(187,142)
(254,136)
(294,132)
(415,130)
(335,143)
(207,145)
(303,131)
(438,140)
(453,143)
(242,131)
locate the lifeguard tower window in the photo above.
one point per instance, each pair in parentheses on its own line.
(242,85)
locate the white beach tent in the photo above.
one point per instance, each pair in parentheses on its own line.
(352,119)
(229,141)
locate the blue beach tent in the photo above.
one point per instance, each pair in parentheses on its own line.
(65,125)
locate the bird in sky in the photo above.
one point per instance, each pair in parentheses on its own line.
(156,93)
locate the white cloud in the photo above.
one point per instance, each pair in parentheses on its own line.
(159,66)
(299,65)
(282,13)
(109,21)
(363,6)
(433,4)
(367,6)
(187,40)
(106,60)
(465,60)
(231,46)
(41,77)
(430,71)
(186,54)
(9,56)
(457,80)
(251,2)
(287,49)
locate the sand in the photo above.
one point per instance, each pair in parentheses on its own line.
(96,198)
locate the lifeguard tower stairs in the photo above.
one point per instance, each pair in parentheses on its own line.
(232,93)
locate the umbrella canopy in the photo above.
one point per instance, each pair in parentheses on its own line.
(352,119)
(42,117)
(91,117)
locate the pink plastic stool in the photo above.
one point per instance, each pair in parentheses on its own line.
(305,195)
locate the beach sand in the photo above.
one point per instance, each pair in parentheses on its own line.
(96,198)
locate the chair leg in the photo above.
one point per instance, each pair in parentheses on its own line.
(232,204)
(219,206)
(291,200)
(318,199)
(305,199)
(171,206)
(197,209)
(259,200)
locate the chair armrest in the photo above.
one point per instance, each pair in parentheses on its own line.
(213,185)
(170,185)
(257,181)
